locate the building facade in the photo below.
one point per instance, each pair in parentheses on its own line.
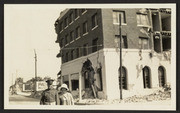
(94,34)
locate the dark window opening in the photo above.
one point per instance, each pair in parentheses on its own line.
(166,22)
(67,55)
(95,45)
(75,84)
(66,22)
(166,42)
(85,27)
(77,32)
(76,13)
(72,54)
(146,77)
(94,20)
(66,39)
(123,81)
(83,10)
(71,18)
(161,75)
(77,52)
(62,42)
(157,43)
(87,84)
(71,35)
(61,26)
(99,71)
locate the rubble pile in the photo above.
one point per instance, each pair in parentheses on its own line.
(156,96)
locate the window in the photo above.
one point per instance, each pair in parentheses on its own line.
(146,77)
(123,41)
(142,19)
(66,58)
(95,45)
(161,76)
(85,27)
(71,35)
(66,22)
(66,39)
(77,32)
(75,84)
(123,80)
(143,43)
(77,52)
(83,11)
(94,20)
(116,17)
(85,49)
(76,13)
(72,54)
(62,42)
(71,18)
(61,26)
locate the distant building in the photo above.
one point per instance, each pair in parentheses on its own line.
(94,34)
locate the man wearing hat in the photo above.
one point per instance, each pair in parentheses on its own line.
(65,96)
(50,95)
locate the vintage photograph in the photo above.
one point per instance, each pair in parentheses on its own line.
(90,56)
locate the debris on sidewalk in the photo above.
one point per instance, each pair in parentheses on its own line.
(158,95)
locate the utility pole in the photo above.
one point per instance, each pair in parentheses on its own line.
(35,68)
(120,52)
(35,64)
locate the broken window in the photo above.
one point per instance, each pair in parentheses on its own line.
(142,20)
(166,22)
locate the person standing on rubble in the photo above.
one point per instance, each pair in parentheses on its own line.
(50,95)
(65,96)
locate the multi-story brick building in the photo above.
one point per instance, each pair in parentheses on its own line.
(94,34)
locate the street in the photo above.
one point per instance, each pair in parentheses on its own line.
(22,100)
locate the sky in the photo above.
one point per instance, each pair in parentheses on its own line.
(29,27)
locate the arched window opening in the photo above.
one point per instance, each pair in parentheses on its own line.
(123,80)
(146,77)
(162,76)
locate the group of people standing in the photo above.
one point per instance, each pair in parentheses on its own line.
(59,96)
